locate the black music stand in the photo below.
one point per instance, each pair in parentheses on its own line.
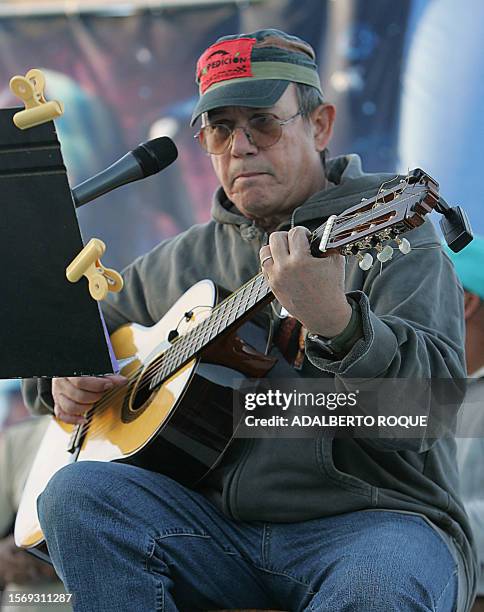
(48,326)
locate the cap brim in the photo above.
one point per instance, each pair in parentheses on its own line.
(254,93)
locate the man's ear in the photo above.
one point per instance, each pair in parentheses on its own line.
(472,303)
(322,119)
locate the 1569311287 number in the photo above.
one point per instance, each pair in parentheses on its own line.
(19,597)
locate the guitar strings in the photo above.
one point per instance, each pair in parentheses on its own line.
(189,339)
(225,310)
(368,216)
(205,328)
(173,346)
(349,217)
(346,220)
(133,376)
(98,409)
(365,216)
(100,406)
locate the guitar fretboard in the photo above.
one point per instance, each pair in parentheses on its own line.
(224,316)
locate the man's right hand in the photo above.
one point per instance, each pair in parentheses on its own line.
(74,396)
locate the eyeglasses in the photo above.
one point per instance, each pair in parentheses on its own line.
(262,131)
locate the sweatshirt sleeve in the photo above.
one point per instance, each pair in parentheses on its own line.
(37,396)
(412,323)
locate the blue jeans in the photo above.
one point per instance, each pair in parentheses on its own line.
(124,538)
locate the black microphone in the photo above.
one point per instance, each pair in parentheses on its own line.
(147,159)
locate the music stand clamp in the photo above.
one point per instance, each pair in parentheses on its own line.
(88,264)
(30,89)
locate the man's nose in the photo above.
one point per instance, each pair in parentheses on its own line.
(242,141)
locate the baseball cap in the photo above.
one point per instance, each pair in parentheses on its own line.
(469,265)
(253,70)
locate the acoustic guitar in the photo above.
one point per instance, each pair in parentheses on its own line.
(175,414)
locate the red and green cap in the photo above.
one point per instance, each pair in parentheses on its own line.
(253,70)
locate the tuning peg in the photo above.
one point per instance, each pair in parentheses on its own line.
(384,253)
(403,245)
(365,261)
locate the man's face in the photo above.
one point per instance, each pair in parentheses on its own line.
(267,183)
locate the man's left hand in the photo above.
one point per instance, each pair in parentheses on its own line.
(310,289)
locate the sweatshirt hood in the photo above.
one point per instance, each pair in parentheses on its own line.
(349,182)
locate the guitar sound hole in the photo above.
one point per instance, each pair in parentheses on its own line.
(137,403)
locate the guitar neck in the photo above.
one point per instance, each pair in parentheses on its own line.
(226,316)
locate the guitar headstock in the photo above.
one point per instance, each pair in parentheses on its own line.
(399,206)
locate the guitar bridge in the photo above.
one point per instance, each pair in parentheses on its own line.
(76,439)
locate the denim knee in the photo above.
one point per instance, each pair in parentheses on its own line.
(387,584)
(67,491)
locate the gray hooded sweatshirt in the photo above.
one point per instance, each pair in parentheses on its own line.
(412,327)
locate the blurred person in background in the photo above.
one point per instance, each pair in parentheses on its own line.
(20,572)
(12,407)
(469,265)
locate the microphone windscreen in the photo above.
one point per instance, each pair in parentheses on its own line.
(155,154)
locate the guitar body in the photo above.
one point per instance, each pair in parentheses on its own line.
(181,429)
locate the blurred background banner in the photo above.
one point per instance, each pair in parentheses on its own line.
(406,76)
